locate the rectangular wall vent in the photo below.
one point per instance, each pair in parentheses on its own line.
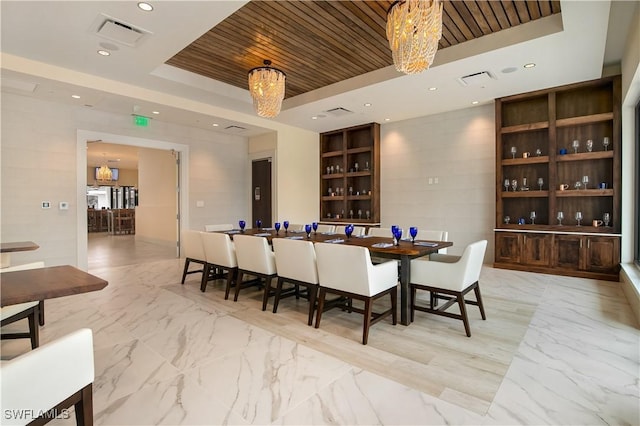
(338,112)
(476,79)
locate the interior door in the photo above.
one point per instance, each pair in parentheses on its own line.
(261,191)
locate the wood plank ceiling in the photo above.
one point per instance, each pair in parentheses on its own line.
(317,43)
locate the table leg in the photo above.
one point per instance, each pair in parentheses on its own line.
(405,273)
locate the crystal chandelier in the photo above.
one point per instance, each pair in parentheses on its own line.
(414,28)
(104,173)
(266,85)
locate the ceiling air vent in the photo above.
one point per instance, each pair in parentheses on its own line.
(476,79)
(339,112)
(235,129)
(119,32)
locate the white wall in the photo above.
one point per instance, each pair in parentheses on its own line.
(40,162)
(456,148)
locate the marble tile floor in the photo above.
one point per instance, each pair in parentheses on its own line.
(554,350)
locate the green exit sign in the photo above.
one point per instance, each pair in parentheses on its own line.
(141,121)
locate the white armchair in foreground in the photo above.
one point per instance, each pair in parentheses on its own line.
(42,383)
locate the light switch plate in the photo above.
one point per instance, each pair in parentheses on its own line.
(46,205)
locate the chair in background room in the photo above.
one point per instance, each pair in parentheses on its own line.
(434,236)
(29,310)
(218,227)
(49,379)
(220,254)
(347,271)
(256,258)
(379,232)
(296,264)
(357,230)
(193,252)
(322,228)
(451,275)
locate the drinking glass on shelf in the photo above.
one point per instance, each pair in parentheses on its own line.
(506,185)
(560,216)
(540,183)
(514,184)
(368,213)
(578,185)
(578,217)
(514,151)
(606,142)
(359,214)
(532,216)
(606,218)
(589,145)
(413,231)
(585,181)
(350,214)
(538,152)
(507,219)
(575,145)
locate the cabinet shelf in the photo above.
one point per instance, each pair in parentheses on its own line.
(549,120)
(582,156)
(585,193)
(520,161)
(358,150)
(333,176)
(332,154)
(359,197)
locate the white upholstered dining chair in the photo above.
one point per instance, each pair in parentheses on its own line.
(256,258)
(220,254)
(347,271)
(218,227)
(193,252)
(454,276)
(29,310)
(46,380)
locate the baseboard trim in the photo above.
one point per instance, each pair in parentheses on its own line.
(630,279)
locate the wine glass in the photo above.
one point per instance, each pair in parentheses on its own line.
(589,145)
(359,214)
(538,152)
(314,225)
(286,226)
(540,183)
(585,181)
(348,230)
(578,185)
(259,224)
(242,224)
(514,151)
(368,213)
(507,219)
(575,145)
(532,216)
(277,226)
(578,217)
(514,184)
(506,185)
(606,218)
(413,231)
(606,142)
(560,216)
(393,230)
(397,235)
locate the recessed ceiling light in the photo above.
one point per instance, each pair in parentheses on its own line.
(104,52)
(432,89)
(315,117)
(215,124)
(155,112)
(145,6)
(529,65)
(75,96)
(475,103)
(387,119)
(368,104)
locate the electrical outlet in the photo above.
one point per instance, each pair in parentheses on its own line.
(64,205)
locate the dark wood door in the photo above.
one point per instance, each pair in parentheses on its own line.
(602,254)
(261,191)
(567,252)
(508,247)
(537,249)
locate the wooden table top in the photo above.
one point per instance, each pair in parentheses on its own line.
(46,283)
(18,246)
(405,248)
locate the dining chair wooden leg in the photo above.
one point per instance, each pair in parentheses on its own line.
(205,276)
(41,317)
(479,300)
(312,290)
(238,284)
(34,330)
(463,313)
(276,298)
(186,268)
(321,297)
(267,291)
(367,320)
(231,275)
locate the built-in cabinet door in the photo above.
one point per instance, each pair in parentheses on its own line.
(602,254)
(508,247)
(537,249)
(567,250)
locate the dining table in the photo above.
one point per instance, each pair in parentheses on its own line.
(382,247)
(7,248)
(46,283)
